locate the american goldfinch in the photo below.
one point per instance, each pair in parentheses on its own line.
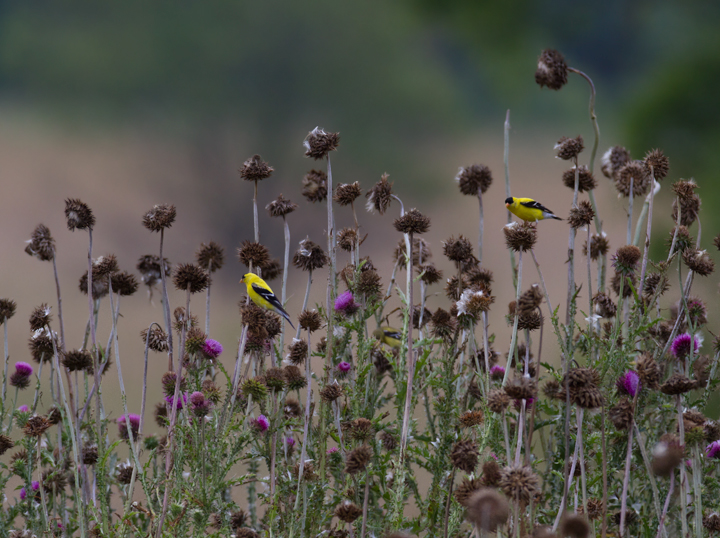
(263,296)
(388,336)
(528,209)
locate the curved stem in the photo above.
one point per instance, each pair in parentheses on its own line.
(506,161)
(410,354)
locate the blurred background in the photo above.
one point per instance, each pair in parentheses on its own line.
(126,105)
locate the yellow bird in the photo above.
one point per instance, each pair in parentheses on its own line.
(529,210)
(263,296)
(388,336)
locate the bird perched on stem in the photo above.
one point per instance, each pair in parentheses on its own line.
(388,336)
(263,296)
(528,209)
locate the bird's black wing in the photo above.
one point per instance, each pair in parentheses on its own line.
(536,205)
(269,296)
(397,335)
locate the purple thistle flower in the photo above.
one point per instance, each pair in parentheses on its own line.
(497,372)
(528,404)
(290,441)
(23,409)
(181,401)
(713,450)
(344,367)
(134,425)
(23,369)
(212,348)
(628,383)
(23,494)
(332,450)
(262,423)
(345,303)
(680,347)
(35,485)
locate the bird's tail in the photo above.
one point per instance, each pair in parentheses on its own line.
(284,314)
(554,217)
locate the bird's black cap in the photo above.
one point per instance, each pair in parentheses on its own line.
(509,200)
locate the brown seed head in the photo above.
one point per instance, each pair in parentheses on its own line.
(464,455)
(658,162)
(586,181)
(443,324)
(530,300)
(190,277)
(90,455)
(698,261)
(420,249)
(626,259)
(246,532)
(429,273)
(712,522)
(380,196)
(471,418)
(361,429)
(40,317)
(520,237)
(100,286)
(318,143)
(683,239)
(690,208)
(677,384)
(294,378)
(5,444)
(412,222)
(458,250)
(159,217)
(8,308)
(104,266)
(491,473)
(298,352)
(574,526)
(685,190)
(310,320)
(271,270)
(280,207)
(635,172)
(648,371)
(253,253)
(210,256)
(621,414)
(589,397)
(613,160)
(487,509)
(330,393)
(655,283)
(466,489)
(498,400)
(347,193)
(629,282)
(667,455)
(275,378)
(310,256)
(124,473)
(155,338)
(520,483)
(551,70)
(474,179)
(150,271)
(36,426)
(358,459)
(599,246)
(124,283)
(604,306)
(78,360)
(41,244)
(347,239)
(41,345)
(348,511)
(255,169)
(78,215)
(521,388)
(582,215)
(314,187)
(292,408)
(569,148)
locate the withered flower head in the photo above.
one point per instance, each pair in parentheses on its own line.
(41,244)
(124,473)
(551,70)
(256,388)
(347,193)
(648,371)
(155,338)
(361,429)
(294,378)
(7,309)
(604,306)
(677,384)
(330,393)
(255,254)
(444,324)
(530,300)
(280,207)
(380,196)
(318,143)
(621,414)
(667,455)
(36,426)
(658,162)
(655,283)
(520,237)
(690,207)
(519,483)
(613,160)
(522,388)
(683,239)
(569,148)
(599,246)
(41,345)
(255,318)
(471,418)
(498,400)
(464,455)
(90,454)
(78,360)
(685,190)
(255,169)
(309,256)
(472,303)
(292,408)
(412,222)
(698,261)
(586,181)
(712,522)
(150,271)
(310,320)
(124,283)
(429,274)
(628,283)
(368,284)
(588,397)
(210,256)
(298,351)
(192,278)
(40,317)
(474,179)
(104,266)
(582,215)
(358,459)
(626,259)
(159,217)
(635,172)
(574,526)
(78,215)
(466,489)
(271,270)
(347,237)
(315,186)
(457,250)
(348,511)
(275,378)
(420,252)
(491,473)
(487,509)
(5,444)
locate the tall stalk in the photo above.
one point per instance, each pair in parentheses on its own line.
(410,355)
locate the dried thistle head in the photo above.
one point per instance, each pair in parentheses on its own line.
(314,186)
(655,283)
(683,239)
(255,169)
(412,222)
(474,179)
(347,239)
(464,455)
(458,250)
(190,277)
(78,215)
(8,307)
(310,320)
(586,181)
(150,271)
(569,148)
(280,207)
(443,324)
(471,418)
(677,384)
(487,509)
(124,283)
(253,254)
(521,388)
(358,459)
(574,526)
(298,352)
(690,207)
(698,261)
(348,511)
(210,256)
(42,344)
(380,196)
(466,489)
(656,161)
(632,172)
(498,400)
(667,455)
(36,426)
(599,246)
(613,160)
(551,70)
(160,217)
(40,317)
(582,215)
(429,274)
(520,237)
(309,256)
(519,483)
(420,252)
(603,305)
(41,244)
(347,193)
(318,143)
(155,338)
(77,360)
(473,302)
(621,414)
(684,189)
(626,259)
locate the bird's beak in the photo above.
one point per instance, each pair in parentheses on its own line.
(507,205)
(242,280)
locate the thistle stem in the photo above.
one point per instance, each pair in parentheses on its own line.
(506,162)
(286,263)
(410,354)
